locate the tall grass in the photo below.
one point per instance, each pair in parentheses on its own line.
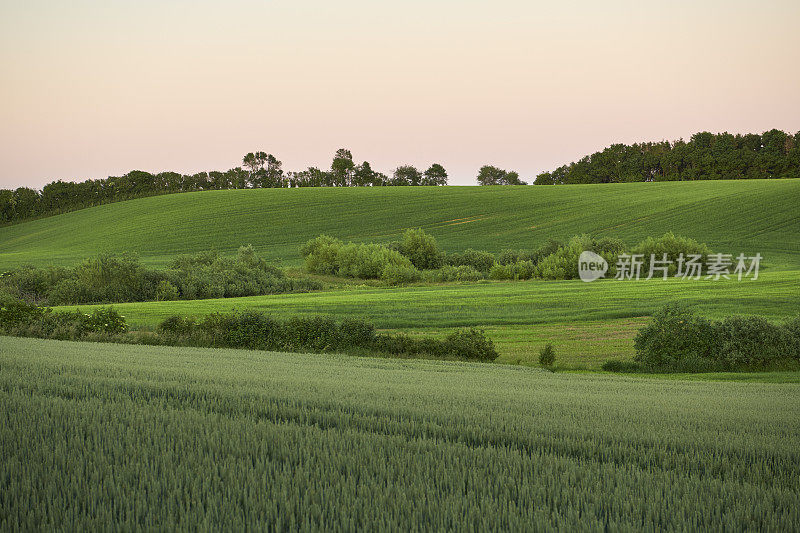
(97,436)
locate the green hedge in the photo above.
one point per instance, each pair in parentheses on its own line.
(677,340)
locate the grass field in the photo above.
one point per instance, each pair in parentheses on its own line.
(731,216)
(96,436)
(587,322)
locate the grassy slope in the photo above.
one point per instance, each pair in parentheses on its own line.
(732,216)
(163,438)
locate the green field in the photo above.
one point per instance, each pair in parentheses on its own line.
(731,216)
(97,436)
(588,323)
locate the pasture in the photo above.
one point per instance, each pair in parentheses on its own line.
(730,216)
(97,435)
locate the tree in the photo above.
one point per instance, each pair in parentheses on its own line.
(342,168)
(435,175)
(254,161)
(406,175)
(364,176)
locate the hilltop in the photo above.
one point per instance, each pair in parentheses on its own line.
(731,216)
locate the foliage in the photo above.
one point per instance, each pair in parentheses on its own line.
(261,170)
(422,249)
(563,264)
(706,156)
(508,256)
(110,278)
(490,175)
(521,270)
(19,318)
(324,255)
(678,340)
(479,260)
(400,274)
(674,247)
(547,356)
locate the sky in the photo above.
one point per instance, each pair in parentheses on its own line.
(90,89)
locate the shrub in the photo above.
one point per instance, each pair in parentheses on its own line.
(400,275)
(321,255)
(107,320)
(521,270)
(166,291)
(471,344)
(480,261)
(563,264)
(318,244)
(453,273)
(177,326)
(547,356)
(421,249)
(109,278)
(367,261)
(751,342)
(508,257)
(673,247)
(792,328)
(676,338)
(15,311)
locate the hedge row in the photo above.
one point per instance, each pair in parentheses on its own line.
(417,257)
(249,329)
(115,279)
(677,340)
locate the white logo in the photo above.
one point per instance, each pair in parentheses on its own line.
(591,266)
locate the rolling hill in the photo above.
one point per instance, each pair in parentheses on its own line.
(731,216)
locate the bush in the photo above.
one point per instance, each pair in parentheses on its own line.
(20,318)
(751,342)
(792,328)
(14,311)
(521,270)
(471,344)
(480,261)
(109,278)
(166,291)
(678,341)
(676,338)
(177,326)
(106,320)
(624,367)
(509,257)
(547,356)
(400,275)
(421,249)
(318,244)
(563,264)
(673,247)
(368,261)
(453,273)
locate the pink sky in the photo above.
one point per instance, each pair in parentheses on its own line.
(91,89)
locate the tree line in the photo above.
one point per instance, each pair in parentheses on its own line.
(258,170)
(706,156)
